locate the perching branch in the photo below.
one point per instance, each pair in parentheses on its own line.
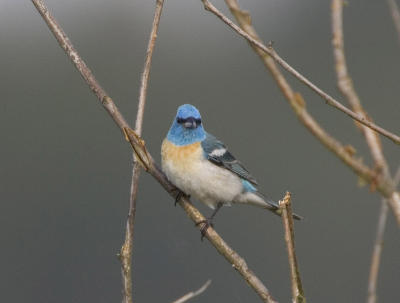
(125,255)
(270,51)
(287,219)
(378,247)
(345,153)
(222,247)
(193,294)
(147,161)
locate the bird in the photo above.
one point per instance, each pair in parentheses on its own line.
(201,166)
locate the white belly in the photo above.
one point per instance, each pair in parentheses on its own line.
(196,176)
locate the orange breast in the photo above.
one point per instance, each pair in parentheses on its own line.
(181,156)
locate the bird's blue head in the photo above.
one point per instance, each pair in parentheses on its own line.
(187,127)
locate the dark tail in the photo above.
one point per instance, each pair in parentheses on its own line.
(274,207)
(258,199)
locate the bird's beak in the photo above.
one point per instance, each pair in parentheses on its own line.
(190,123)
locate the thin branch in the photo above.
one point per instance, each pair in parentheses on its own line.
(147,161)
(394,11)
(287,219)
(270,51)
(126,252)
(345,153)
(378,247)
(346,87)
(377,252)
(193,294)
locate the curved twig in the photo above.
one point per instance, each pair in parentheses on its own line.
(193,294)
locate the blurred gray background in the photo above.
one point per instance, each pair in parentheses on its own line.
(65,168)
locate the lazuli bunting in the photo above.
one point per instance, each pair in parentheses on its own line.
(201,166)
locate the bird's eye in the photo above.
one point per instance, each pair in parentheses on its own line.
(198,121)
(180,120)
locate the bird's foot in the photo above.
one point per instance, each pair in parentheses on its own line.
(179,195)
(205,225)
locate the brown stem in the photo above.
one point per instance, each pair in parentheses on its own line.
(127,248)
(147,161)
(346,86)
(287,219)
(376,254)
(270,51)
(378,247)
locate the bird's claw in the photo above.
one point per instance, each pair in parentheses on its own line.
(206,224)
(179,195)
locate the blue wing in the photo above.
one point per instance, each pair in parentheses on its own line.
(216,152)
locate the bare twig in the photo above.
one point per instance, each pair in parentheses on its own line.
(147,161)
(376,254)
(344,153)
(127,248)
(378,247)
(193,294)
(287,219)
(270,51)
(346,87)
(394,11)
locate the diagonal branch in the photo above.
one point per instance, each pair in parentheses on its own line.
(125,255)
(270,51)
(345,153)
(147,161)
(287,219)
